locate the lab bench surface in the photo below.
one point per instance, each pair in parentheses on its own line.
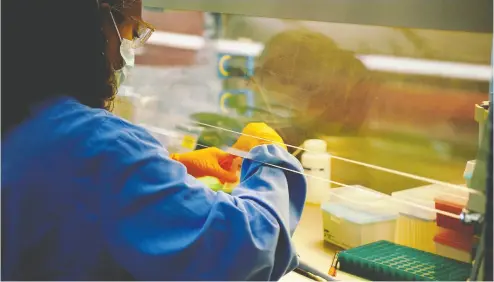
(310,245)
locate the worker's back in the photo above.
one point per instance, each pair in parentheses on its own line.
(49,164)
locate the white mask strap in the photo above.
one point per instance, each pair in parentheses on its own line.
(116,27)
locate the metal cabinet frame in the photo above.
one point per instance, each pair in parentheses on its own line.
(458,15)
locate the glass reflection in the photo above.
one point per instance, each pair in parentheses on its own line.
(321,80)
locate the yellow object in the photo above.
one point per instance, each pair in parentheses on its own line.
(221,64)
(255,134)
(416,233)
(416,225)
(189,142)
(481,114)
(334,265)
(223,99)
(205,162)
(211,182)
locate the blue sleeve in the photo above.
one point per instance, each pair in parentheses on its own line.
(162,224)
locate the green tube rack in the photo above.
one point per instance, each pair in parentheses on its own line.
(386,261)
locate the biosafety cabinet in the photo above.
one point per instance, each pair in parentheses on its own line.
(398,91)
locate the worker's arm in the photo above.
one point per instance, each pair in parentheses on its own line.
(162,224)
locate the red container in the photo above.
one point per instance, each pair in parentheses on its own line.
(455,205)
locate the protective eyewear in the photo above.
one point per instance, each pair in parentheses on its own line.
(141,30)
(142,33)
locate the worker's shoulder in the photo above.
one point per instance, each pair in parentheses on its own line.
(123,129)
(123,142)
(97,127)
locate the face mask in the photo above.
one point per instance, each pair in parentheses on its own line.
(128,56)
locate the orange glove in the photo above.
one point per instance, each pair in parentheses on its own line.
(248,140)
(264,134)
(205,162)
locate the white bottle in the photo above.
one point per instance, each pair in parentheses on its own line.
(316,162)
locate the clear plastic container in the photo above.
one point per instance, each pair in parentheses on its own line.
(416,225)
(355,216)
(189,136)
(412,201)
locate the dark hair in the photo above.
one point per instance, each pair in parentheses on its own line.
(52,48)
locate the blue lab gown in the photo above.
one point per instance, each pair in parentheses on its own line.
(89,196)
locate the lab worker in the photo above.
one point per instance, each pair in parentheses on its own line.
(89,196)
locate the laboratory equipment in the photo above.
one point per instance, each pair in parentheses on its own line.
(190,134)
(312,273)
(355,215)
(454,204)
(454,245)
(386,261)
(317,162)
(468,173)
(481,117)
(416,225)
(479,205)
(477,201)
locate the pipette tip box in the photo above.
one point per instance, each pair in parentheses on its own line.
(417,224)
(355,215)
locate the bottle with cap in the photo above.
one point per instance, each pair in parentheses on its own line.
(317,163)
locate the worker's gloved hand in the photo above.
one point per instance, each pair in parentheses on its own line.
(255,134)
(205,162)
